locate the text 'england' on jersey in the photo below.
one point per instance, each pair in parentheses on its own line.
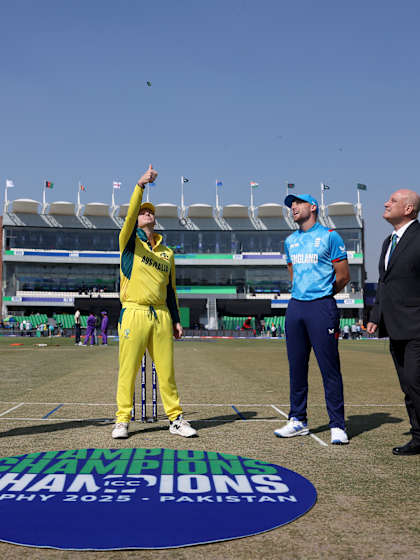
(312,254)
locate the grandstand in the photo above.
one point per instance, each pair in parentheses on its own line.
(230,260)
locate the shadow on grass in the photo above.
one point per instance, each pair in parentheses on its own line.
(357,424)
(203,423)
(56,427)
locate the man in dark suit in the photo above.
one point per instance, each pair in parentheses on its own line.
(396,312)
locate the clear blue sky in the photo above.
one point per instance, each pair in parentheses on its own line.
(304,91)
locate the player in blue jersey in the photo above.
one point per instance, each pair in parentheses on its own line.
(318,267)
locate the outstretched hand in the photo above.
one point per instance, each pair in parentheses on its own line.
(148,177)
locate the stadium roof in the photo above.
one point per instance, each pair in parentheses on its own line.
(96,209)
(343,215)
(270,210)
(271,215)
(62,208)
(237,216)
(202,215)
(24,206)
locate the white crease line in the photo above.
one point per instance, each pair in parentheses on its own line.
(12,418)
(312,435)
(201,404)
(13,408)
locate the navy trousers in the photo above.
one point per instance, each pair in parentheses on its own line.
(314,324)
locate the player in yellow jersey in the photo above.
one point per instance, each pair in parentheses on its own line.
(149,316)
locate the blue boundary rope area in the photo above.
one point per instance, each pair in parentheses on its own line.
(238,413)
(52,411)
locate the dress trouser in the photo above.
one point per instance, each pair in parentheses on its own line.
(314,324)
(142,327)
(406,356)
(77,333)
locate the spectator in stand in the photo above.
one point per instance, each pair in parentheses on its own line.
(247,325)
(353,331)
(90,330)
(273,330)
(104,328)
(22,328)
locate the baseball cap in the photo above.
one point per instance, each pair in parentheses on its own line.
(305,197)
(148,206)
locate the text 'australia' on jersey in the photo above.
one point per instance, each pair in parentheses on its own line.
(147,275)
(312,254)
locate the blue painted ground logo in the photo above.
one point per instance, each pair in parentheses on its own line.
(110,499)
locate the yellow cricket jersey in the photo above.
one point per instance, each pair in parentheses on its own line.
(147,275)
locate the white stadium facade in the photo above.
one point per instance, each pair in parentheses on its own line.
(230,261)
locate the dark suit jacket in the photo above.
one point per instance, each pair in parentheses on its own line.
(397,307)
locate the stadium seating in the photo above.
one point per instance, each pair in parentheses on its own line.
(277,320)
(234,323)
(35,319)
(67,320)
(347,321)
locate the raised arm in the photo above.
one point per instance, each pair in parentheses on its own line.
(134,206)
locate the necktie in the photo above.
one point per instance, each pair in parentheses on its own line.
(394,240)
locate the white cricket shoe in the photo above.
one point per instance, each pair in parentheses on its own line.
(294,427)
(120,430)
(181,427)
(339,437)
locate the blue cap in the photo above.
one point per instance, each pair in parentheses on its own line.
(305,197)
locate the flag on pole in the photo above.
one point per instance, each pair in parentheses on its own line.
(325,187)
(219,183)
(116,184)
(253,184)
(49,185)
(82,188)
(290,185)
(185,180)
(9,184)
(361,187)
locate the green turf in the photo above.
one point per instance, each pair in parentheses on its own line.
(367,498)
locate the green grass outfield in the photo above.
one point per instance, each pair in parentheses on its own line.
(368,499)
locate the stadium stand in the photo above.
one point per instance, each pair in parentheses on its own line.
(237,217)
(230,260)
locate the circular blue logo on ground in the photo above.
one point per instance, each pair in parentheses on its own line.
(112,499)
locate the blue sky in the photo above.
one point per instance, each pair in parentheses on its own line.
(274,91)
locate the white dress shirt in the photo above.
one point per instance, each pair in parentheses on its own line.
(399,233)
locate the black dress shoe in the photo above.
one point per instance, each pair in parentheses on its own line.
(409,448)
